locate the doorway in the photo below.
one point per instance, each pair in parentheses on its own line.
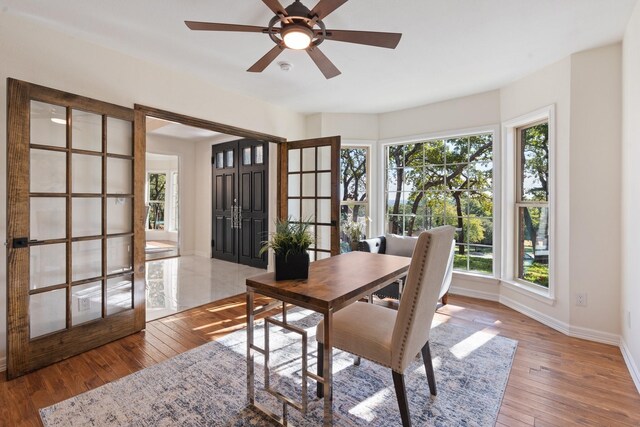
(240,203)
(162,202)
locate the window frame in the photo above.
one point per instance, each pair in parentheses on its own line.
(493,129)
(512,202)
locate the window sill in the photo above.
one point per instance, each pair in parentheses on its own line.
(475,277)
(530,291)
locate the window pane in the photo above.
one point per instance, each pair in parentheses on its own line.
(353,174)
(119,176)
(86,302)
(47,265)
(246,156)
(439,182)
(87,131)
(119,294)
(533,245)
(47,312)
(48,171)
(534,163)
(259,155)
(87,174)
(119,136)
(48,124)
(86,258)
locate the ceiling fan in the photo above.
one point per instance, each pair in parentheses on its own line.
(297,27)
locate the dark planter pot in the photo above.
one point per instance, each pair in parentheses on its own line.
(295,266)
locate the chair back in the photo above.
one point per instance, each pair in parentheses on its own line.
(448,275)
(420,295)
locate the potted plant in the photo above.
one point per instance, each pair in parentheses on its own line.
(353,231)
(290,243)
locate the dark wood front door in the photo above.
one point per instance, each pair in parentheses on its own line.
(240,208)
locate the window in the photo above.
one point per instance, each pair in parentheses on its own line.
(354,198)
(444,181)
(532,203)
(157,185)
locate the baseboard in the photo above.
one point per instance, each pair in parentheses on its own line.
(472,293)
(187,253)
(201,253)
(631,365)
(565,328)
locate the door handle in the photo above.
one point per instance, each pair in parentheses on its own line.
(20,242)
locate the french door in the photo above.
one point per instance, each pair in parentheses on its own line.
(240,201)
(309,190)
(75,238)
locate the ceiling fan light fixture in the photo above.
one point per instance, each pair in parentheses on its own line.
(296,36)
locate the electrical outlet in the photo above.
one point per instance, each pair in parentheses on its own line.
(581,299)
(84,304)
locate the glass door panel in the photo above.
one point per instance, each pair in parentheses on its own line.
(48,124)
(87,131)
(86,302)
(48,218)
(47,312)
(86,174)
(48,171)
(119,294)
(87,216)
(119,137)
(47,265)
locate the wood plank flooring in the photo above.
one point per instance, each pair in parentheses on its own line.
(555,380)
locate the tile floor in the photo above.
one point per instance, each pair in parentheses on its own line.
(177,284)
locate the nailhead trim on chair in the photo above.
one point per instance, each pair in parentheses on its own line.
(413,306)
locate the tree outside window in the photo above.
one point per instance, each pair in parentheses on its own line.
(354,201)
(445,181)
(157,189)
(532,204)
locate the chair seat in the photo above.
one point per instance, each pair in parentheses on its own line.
(364,330)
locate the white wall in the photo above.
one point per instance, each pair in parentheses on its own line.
(185,150)
(35,53)
(549,86)
(596,125)
(630,250)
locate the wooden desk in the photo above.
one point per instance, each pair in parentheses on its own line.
(333,284)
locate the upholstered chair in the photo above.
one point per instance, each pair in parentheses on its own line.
(393,338)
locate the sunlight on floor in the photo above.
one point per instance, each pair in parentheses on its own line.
(472,343)
(365,409)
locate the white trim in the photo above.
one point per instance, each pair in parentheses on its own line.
(529,291)
(628,359)
(495,128)
(472,293)
(475,277)
(496,154)
(508,201)
(565,328)
(3,364)
(202,254)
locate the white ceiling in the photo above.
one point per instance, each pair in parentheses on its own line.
(174,130)
(449,48)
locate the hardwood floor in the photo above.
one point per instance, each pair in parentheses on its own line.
(555,380)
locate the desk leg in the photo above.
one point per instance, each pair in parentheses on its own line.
(250,362)
(328,369)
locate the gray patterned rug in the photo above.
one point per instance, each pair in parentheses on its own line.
(207,385)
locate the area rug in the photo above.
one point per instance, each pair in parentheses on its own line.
(207,385)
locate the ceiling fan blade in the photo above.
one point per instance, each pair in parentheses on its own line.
(370,38)
(275,7)
(328,69)
(325,7)
(212,26)
(267,59)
